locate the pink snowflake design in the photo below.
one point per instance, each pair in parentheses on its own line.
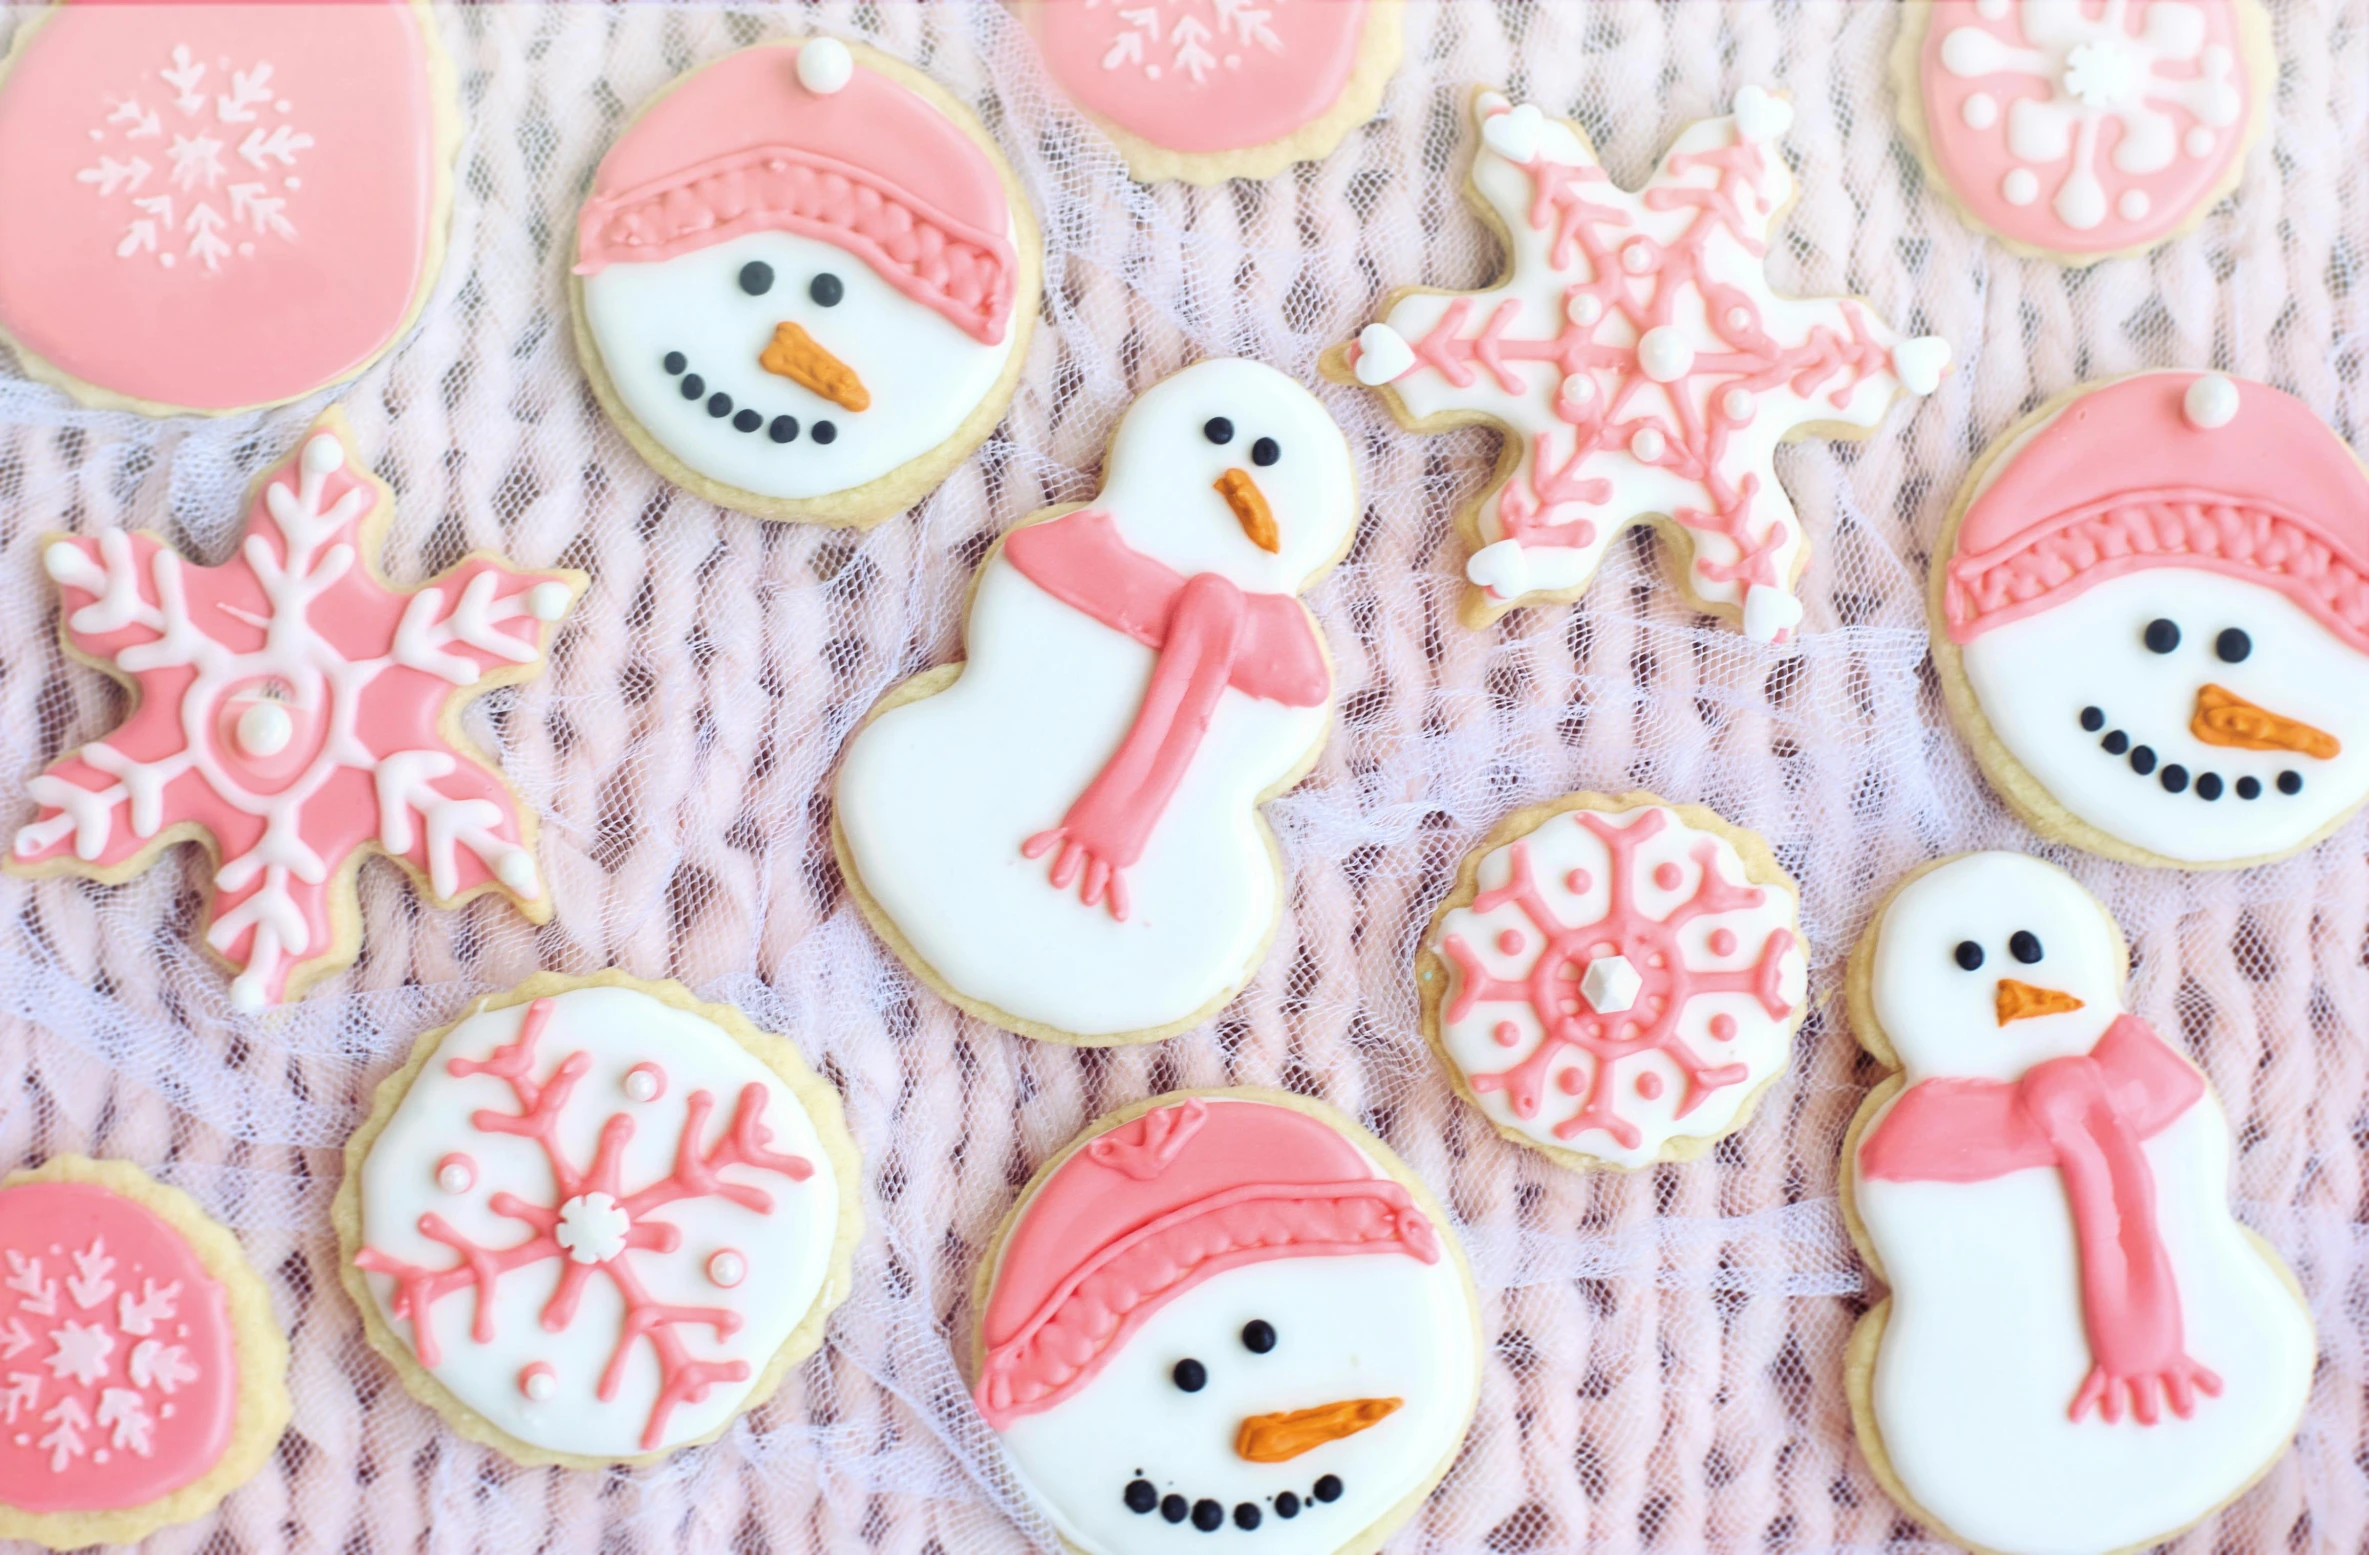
(291,710)
(1568,966)
(1670,368)
(592,1224)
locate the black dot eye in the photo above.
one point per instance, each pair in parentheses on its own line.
(1258,1336)
(1218,430)
(2162,636)
(1190,1375)
(756,278)
(2233,646)
(2024,946)
(826,289)
(1969,956)
(1265,452)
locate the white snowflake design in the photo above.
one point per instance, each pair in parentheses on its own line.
(2096,69)
(1193,39)
(204,164)
(70,1388)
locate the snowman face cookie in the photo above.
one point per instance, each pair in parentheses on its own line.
(805,282)
(2154,621)
(1226,1313)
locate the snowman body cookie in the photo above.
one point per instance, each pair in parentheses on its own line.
(805,280)
(2152,621)
(1062,834)
(2082,1350)
(1228,1311)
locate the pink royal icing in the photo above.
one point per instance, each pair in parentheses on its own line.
(2089,127)
(216,206)
(118,1366)
(1202,75)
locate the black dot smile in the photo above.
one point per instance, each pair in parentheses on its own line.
(1208,1514)
(779,429)
(2172,777)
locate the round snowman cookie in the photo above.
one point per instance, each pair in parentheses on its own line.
(1205,90)
(144,1373)
(2082,1350)
(2077,132)
(805,280)
(2151,620)
(1232,1311)
(1062,834)
(1615,980)
(213,208)
(596,1220)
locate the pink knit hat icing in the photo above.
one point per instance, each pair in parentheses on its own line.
(873,167)
(1155,1206)
(2121,480)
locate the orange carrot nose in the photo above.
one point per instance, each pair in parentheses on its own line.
(2022,1001)
(2225,718)
(1279,1438)
(802,359)
(1242,494)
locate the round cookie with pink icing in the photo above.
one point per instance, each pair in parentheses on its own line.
(143,1376)
(804,282)
(218,207)
(595,1220)
(1226,1312)
(1615,981)
(1201,91)
(2082,131)
(2151,620)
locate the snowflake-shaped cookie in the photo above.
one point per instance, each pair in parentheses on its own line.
(1638,357)
(203,161)
(293,711)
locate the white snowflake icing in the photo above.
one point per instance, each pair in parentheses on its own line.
(80,1396)
(202,130)
(1164,39)
(164,1367)
(80,1350)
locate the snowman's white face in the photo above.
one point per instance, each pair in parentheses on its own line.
(1147,1456)
(1273,445)
(2186,712)
(697,348)
(1992,963)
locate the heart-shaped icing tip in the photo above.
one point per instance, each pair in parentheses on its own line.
(1769,612)
(1382,355)
(1761,115)
(1920,363)
(1514,134)
(1502,569)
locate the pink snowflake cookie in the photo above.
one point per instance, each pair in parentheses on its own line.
(142,1375)
(594,1221)
(1615,980)
(1640,363)
(2084,130)
(294,710)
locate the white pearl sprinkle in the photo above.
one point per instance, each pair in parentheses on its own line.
(1739,319)
(1665,354)
(641,1083)
(455,1177)
(265,729)
(727,1268)
(1637,258)
(1647,446)
(539,1384)
(2210,403)
(824,65)
(1737,403)
(1584,309)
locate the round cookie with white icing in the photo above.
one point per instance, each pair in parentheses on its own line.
(805,281)
(1062,834)
(1226,1311)
(213,208)
(1205,90)
(2151,621)
(294,712)
(1638,363)
(2082,1350)
(595,1220)
(1615,980)
(2081,132)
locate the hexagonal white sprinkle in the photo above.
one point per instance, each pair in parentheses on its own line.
(1610,985)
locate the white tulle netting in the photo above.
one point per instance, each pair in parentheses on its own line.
(1664,1350)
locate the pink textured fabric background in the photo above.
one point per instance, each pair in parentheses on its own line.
(1663,1367)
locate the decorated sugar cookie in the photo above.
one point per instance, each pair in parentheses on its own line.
(1615,981)
(1639,363)
(1062,834)
(142,1373)
(2079,131)
(596,1219)
(1226,1312)
(294,712)
(805,279)
(215,207)
(2082,1350)
(1206,90)
(2151,617)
